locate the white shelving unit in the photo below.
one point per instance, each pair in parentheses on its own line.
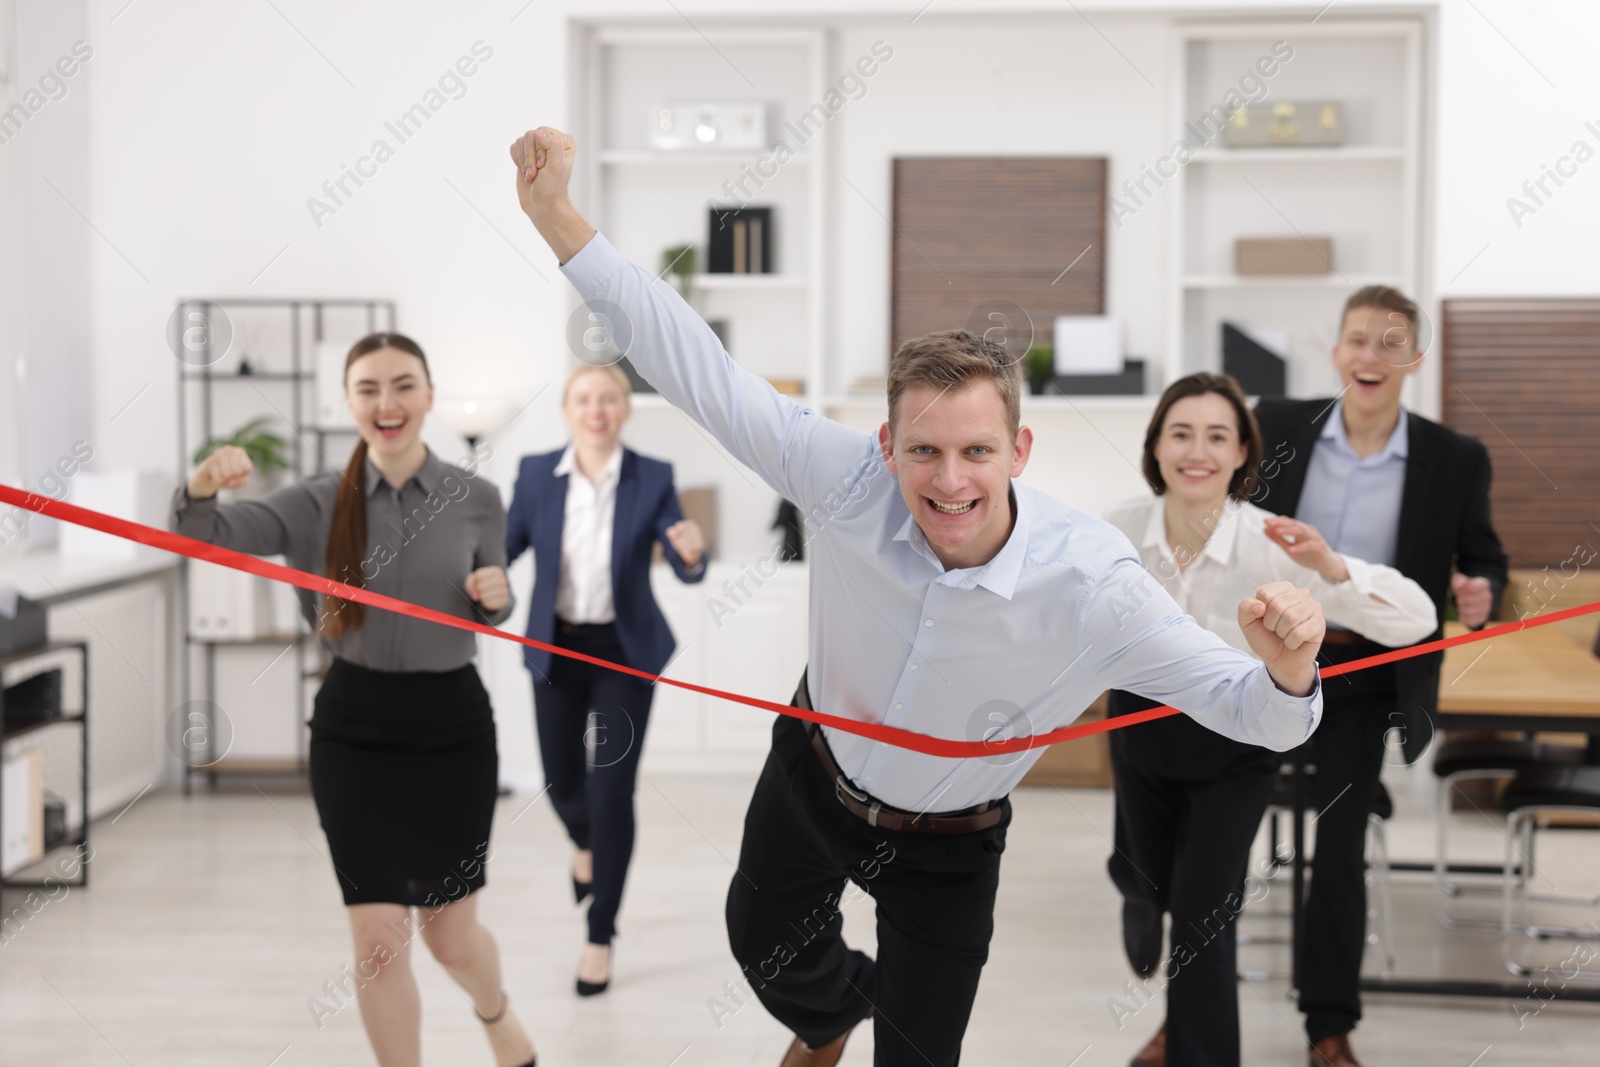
(1365,194)
(646,201)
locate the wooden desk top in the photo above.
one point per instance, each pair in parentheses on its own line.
(1540,671)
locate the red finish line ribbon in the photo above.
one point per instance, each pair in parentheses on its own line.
(177,544)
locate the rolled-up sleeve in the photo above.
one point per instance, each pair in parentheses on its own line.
(1133,636)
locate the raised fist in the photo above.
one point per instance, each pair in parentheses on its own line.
(228,467)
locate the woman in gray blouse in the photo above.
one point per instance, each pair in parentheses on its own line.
(403,760)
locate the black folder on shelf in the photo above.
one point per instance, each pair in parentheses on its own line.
(1258,370)
(741,241)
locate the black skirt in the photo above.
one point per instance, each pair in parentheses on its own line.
(404,773)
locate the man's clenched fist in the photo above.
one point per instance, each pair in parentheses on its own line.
(544,159)
(1285,628)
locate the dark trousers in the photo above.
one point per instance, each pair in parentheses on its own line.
(935,899)
(1188,805)
(1347,751)
(591,768)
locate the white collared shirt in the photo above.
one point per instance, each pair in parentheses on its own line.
(584,592)
(1018,646)
(1377,602)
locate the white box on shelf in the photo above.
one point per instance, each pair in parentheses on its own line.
(229,605)
(1088,344)
(331,410)
(709,126)
(139,496)
(22,802)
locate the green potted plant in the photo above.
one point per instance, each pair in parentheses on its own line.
(682,263)
(265,449)
(1041,366)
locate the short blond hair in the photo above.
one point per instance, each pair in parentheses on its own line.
(610,370)
(951,359)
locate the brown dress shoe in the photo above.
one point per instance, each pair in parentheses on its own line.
(1332,1052)
(1154,1053)
(801,1055)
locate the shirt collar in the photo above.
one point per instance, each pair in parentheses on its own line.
(427,477)
(1219,546)
(569,463)
(1000,574)
(1398,446)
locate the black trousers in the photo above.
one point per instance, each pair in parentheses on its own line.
(1348,753)
(592,768)
(935,899)
(1188,805)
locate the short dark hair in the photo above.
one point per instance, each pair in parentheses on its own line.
(1244,479)
(951,359)
(1384,298)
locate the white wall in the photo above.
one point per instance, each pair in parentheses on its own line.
(210,125)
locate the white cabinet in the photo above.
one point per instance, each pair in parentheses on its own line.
(758,650)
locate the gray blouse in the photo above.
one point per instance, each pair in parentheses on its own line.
(423,539)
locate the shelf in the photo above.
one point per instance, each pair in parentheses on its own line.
(628,157)
(257,376)
(1309,154)
(259,639)
(252,766)
(750,281)
(14,732)
(1030,403)
(1342,283)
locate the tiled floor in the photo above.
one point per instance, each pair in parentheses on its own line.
(212,921)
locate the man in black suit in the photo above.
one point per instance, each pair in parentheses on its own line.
(1386,485)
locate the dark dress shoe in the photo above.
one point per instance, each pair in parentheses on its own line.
(1141,935)
(802,1055)
(1154,1053)
(580,890)
(589,989)
(1332,1052)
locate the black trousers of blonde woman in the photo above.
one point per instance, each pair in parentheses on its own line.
(592,765)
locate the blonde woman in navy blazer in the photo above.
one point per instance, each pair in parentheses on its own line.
(592,513)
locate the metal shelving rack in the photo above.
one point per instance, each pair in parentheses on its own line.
(81,721)
(300,378)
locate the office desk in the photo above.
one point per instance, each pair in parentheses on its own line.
(1536,680)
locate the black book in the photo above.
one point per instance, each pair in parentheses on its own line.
(1258,370)
(740,241)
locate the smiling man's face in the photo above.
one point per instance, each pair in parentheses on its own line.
(1375,353)
(954,455)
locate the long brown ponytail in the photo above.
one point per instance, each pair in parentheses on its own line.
(347,537)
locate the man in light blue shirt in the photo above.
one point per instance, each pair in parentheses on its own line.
(946,599)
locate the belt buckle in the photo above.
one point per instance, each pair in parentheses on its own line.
(841,784)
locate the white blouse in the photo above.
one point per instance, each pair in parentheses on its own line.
(1376,601)
(584,593)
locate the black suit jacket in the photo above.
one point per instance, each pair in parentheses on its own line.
(1444,525)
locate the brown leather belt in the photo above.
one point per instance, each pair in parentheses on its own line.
(876,813)
(1346,637)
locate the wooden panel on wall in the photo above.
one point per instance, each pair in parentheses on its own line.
(976,230)
(1523,376)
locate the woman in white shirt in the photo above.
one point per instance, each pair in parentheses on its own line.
(592,513)
(1189,801)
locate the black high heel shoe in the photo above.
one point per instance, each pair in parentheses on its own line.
(580,890)
(488,1020)
(589,989)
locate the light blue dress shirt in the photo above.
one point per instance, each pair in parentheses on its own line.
(1018,646)
(1353,502)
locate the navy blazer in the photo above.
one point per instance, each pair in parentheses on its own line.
(646,505)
